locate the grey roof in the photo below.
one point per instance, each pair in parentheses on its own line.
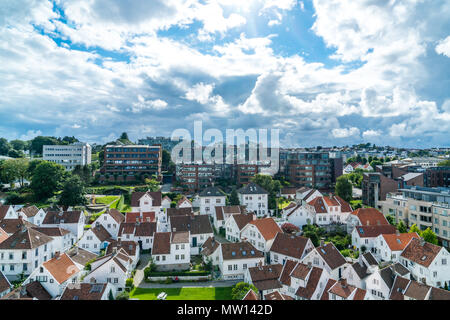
(400,269)
(360,270)
(212,192)
(370,259)
(411,175)
(252,188)
(388,276)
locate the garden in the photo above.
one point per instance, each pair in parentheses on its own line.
(187,293)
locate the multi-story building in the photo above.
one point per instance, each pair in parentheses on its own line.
(132,161)
(68,156)
(308,169)
(425,207)
(375,187)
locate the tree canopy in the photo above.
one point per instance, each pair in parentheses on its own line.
(344,188)
(240,290)
(47,178)
(73,193)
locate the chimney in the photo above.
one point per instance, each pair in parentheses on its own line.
(114,250)
(368,222)
(397,232)
(56,255)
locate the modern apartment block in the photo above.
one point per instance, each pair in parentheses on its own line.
(130,161)
(375,186)
(68,156)
(307,169)
(425,207)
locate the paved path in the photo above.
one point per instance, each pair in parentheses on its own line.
(227,283)
(139,276)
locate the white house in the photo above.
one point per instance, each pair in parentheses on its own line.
(95,239)
(55,274)
(210,251)
(223,213)
(32,214)
(305,195)
(328,210)
(288,193)
(254,198)
(111,220)
(146,201)
(428,263)
(366,236)
(210,198)
(62,238)
(235,224)
(289,247)
(365,217)
(8,212)
(236,258)
(388,247)
(298,215)
(165,202)
(380,282)
(307,282)
(357,273)
(184,203)
(342,290)
(261,233)
(264,278)
(171,250)
(130,247)
(114,268)
(73,221)
(142,233)
(199,228)
(24,251)
(329,258)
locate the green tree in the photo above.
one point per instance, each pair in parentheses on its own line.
(110,295)
(240,290)
(124,136)
(429,236)
(16,169)
(32,165)
(15,154)
(19,145)
(344,188)
(401,227)
(47,178)
(4,147)
(153,185)
(73,193)
(234,199)
(37,144)
(445,163)
(270,185)
(414,228)
(391,219)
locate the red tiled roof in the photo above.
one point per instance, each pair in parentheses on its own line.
(375,231)
(318,204)
(422,253)
(136,196)
(329,284)
(267,227)
(131,217)
(289,245)
(399,242)
(311,286)
(251,295)
(61,267)
(370,216)
(285,277)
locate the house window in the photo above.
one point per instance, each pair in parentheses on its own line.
(177,257)
(444,262)
(230,267)
(235,267)
(25,267)
(163,258)
(24,255)
(244,266)
(116,280)
(182,257)
(113,269)
(177,247)
(157,258)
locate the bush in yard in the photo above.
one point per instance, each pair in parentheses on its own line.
(123,296)
(129,283)
(289,228)
(240,290)
(168,280)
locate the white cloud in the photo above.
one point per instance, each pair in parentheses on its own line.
(142,105)
(200,92)
(345,132)
(443,47)
(368,134)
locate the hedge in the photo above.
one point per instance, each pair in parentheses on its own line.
(178,273)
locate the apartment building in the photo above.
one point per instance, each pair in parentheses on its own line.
(132,161)
(425,207)
(68,156)
(375,186)
(308,169)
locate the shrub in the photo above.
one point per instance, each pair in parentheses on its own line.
(123,296)
(168,280)
(129,283)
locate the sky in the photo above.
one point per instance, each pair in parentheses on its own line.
(323,72)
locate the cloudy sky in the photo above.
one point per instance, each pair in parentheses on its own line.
(325,72)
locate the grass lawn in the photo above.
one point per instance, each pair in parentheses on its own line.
(183,293)
(108,200)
